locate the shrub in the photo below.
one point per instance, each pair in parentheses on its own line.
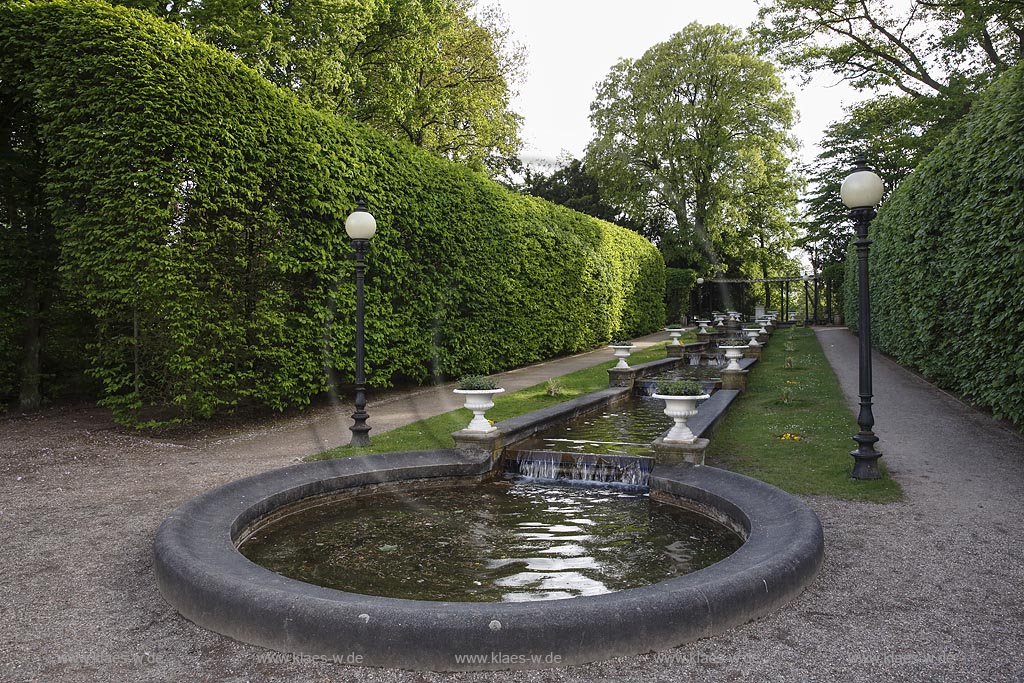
(620,338)
(686,387)
(198,215)
(477,383)
(554,387)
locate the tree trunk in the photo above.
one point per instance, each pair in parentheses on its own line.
(30,397)
(767,285)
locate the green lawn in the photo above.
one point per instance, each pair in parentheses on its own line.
(436,432)
(792,427)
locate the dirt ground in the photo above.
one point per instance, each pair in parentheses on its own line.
(929,589)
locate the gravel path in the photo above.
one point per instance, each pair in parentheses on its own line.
(930,589)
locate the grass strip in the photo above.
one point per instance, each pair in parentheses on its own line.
(792,427)
(436,432)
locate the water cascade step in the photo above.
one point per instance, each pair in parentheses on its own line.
(631,470)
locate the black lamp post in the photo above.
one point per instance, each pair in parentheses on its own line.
(700,297)
(360,226)
(861,192)
(807,300)
(814,280)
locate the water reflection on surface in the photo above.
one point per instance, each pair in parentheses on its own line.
(625,428)
(498,542)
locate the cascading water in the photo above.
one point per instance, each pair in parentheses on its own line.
(583,467)
(539,465)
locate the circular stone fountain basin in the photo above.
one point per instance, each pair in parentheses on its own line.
(201,573)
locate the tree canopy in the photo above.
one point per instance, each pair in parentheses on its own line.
(924,61)
(438,73)
(693,141)
(945,47)
(571,185)
(883,126)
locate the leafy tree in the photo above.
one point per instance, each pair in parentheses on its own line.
(440,76)
(945,47)
(882,129)
(303,45)
(762,211)
(692,140)
(929,61)
(438,73)
(571,185)
(928,58)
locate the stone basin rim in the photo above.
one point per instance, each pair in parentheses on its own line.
(200,573)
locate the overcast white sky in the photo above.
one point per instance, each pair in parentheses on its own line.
(572,44)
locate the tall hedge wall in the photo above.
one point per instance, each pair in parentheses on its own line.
(199,211)
(947,262)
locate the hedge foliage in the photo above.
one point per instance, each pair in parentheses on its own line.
(199,212)
(947,262)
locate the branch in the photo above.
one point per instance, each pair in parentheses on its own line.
(985,39)
(922,72)
(834,21)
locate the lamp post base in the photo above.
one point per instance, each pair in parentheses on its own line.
(360,431)
(865,457)
(360,437)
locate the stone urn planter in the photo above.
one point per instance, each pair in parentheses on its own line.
(479,393)
(680,409)
(732,355)
(703,326)
(753,336)
(622,352)
(674,333)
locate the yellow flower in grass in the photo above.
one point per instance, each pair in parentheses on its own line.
(790,437)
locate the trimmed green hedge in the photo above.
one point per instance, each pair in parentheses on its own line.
(199,215)
(947,262)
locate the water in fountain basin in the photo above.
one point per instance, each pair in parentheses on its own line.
(497,542)
(624,428)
